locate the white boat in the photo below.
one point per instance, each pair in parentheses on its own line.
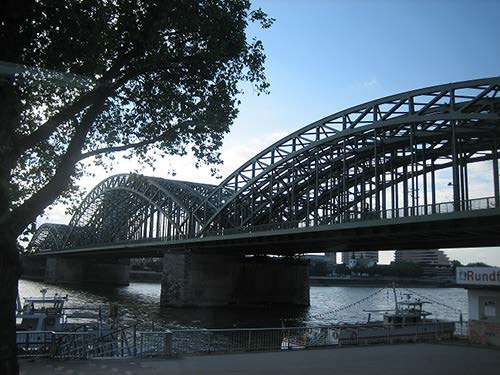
(316,336)
(406,322)
(39,317)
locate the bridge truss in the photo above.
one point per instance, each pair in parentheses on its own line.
(379,160)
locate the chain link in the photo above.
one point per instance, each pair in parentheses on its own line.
(432,300)
(345,307)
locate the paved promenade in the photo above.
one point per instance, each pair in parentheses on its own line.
(407,359)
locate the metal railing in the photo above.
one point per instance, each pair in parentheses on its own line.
(155,343)
(129,342)
(37,344)
(76,344)
(353,215)
(261,339)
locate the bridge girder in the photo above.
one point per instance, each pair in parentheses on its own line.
(379,158)
(49,237)
(131,207)
(455,122)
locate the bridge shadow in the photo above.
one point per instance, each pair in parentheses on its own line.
(233,317)
(139,303)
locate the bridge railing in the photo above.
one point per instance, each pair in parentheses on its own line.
(439,208)
(367,215)
(345,217)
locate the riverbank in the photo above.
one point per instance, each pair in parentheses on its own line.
(381,359)
(145,276)
(155,277)
(374,282)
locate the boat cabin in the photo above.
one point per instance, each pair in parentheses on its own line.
(41,314)
(406,313)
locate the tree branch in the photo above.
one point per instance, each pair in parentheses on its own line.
(34,206)
(85,100)
(106,150)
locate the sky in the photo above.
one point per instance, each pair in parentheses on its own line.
(324,56)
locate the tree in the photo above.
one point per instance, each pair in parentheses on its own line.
(342,269)
(405,269)
(454,264)
(477,264)
(318,268)
(81,80)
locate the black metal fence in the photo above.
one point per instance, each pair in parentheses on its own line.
(129,342)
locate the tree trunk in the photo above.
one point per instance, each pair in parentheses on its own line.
(10,269)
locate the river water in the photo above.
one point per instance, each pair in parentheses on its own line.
(140,303)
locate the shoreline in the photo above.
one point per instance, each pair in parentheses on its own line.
(155,277)
(366,282)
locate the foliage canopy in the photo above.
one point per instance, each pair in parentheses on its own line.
(80,80)
(89,78)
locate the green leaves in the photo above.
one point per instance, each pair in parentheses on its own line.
(144,75)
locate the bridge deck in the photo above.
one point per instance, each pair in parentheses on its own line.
(456,229)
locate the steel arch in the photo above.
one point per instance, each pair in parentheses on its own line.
(369,161)
(459,109)
(131,207)
(48,237)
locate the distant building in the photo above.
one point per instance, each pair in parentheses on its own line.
(331,256)
(347,256)
(483,295)
(433,261)
(321,265)
(361,262)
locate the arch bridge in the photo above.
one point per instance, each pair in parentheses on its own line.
(416,154)
(414,169)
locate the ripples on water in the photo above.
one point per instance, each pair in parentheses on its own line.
(140,303)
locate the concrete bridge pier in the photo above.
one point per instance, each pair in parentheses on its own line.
(194,279)
(64,270)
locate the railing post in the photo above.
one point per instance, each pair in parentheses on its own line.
(134,352)
(27,340)
(52,345)
(168,343)
(209,342)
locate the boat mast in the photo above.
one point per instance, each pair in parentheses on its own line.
(395,296)
(18,302)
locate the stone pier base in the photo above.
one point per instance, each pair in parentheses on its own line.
(191,279)
(33,267)
(60,270)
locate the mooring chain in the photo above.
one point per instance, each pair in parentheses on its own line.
(345,307)
(432,300)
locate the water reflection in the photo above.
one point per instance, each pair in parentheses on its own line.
(140,303)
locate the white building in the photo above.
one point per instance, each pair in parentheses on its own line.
(483,295)
(433,261)
(433,257)
(348,255)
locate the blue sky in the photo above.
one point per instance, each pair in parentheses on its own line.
(325,56)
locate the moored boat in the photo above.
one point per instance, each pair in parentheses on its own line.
(40,317)
(408,321)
